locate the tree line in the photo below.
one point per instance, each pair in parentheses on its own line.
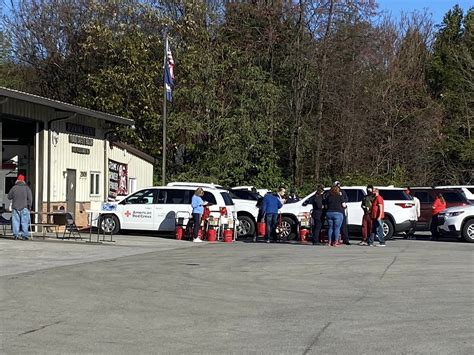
(267,92)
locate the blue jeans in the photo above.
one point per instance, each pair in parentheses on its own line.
(272,223)
(334,225)
(20,222)
(377,230)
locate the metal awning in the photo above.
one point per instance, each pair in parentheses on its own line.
(6,94)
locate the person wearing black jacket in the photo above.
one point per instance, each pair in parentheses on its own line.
(317,214)
(335,205)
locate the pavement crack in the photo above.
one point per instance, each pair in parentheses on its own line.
(388,267)
(39,328)
(316,338)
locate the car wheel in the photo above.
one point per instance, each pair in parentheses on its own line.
(468,231)
(287,229)
(109,224)
(246,227)
(388,229)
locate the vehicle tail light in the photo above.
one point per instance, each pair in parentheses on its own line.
(405,205)
(223,211)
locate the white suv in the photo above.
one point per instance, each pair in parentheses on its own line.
(246,211)
(399,211)
(156,208)
(457,222)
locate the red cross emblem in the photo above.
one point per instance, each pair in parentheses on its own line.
(127,213)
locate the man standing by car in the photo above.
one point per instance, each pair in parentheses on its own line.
(317,214)
(270,205)
(367,218)
(378,215)
(22,199)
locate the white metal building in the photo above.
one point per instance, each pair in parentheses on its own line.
(66,154)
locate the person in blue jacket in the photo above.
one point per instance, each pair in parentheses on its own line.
(197,204)
(270,206)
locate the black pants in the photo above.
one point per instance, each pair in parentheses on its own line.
(434,227)
(272,223)
(344,230)
(197,224)
(317,224)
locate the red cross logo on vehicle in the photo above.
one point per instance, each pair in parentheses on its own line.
(127,214)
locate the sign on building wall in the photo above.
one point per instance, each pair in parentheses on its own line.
(118,179)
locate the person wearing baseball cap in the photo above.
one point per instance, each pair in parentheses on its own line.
(22,200)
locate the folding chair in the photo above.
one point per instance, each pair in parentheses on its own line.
(71,227)
(4,223)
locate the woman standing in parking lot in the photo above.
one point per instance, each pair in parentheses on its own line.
(335,205)
(438,205)
(197,204)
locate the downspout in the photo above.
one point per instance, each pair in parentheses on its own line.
(2,102)
(48,202)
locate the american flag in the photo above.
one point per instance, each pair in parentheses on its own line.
(169,73)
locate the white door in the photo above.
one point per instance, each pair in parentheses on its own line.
(170,202)
(137,210)
(354,209)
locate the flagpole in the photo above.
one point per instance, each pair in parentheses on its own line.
(163,166)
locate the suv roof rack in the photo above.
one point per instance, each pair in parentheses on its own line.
(195,184)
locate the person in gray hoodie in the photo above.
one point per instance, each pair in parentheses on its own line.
(22,199)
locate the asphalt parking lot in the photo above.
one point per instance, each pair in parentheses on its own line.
(156,295)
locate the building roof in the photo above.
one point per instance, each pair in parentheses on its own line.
(61,106)
(134,151)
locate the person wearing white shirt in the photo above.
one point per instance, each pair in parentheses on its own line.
(416,201)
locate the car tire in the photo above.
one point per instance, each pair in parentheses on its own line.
(468,231)
(109,224)
(246,227)
(388,229)
(288,229)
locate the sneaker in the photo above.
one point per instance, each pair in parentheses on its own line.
(370,245)
(363,243)
(26,238)
(197,240)
(267,241)
(380,245)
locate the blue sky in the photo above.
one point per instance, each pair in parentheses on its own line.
(437,8)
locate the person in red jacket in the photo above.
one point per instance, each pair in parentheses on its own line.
(377,214)
(438,205)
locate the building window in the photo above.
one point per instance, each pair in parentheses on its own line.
(95,184)
(132,185)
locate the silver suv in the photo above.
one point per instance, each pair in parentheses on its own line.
(457,222)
